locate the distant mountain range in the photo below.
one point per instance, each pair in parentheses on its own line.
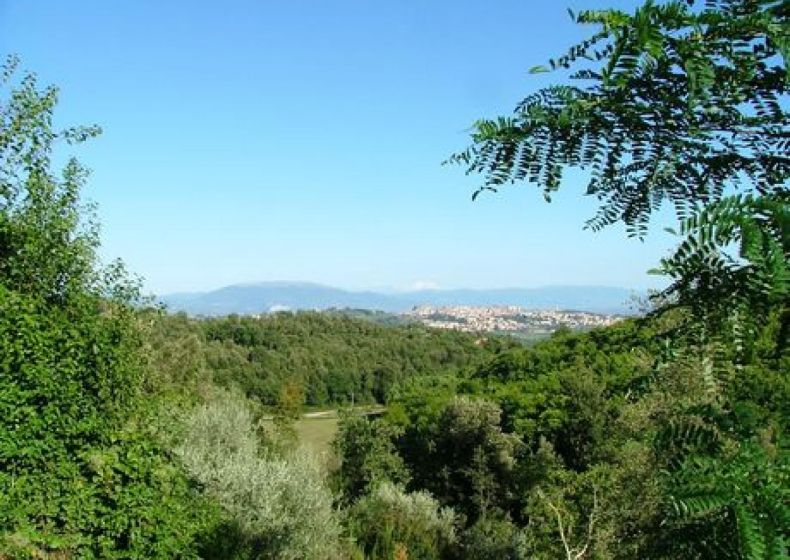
(267,297)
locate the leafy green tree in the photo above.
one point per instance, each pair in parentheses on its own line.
(80,474)
(463,457)
(679,104)
(366,451)
(684,103)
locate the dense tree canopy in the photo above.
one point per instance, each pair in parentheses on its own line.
(332,357)
(662,443)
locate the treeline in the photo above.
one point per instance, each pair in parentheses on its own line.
(330,358)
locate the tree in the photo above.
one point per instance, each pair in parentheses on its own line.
(682,104)
(685,103)
(277,507)
(463,457)
(79,473)
(367,456)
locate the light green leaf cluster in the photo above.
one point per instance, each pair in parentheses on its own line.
(281,504)
(391,521)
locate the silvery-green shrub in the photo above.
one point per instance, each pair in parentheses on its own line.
(281,504)
(390,521)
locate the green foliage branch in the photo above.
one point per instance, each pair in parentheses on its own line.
(683,102)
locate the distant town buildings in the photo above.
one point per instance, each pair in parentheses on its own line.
(509,318)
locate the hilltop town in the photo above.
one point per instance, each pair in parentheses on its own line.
(508,319)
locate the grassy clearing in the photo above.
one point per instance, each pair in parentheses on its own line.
(317,433)
(317,428)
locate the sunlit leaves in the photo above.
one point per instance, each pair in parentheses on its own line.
(676,82)
(78,477)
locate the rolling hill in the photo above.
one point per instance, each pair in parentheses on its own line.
(266,297)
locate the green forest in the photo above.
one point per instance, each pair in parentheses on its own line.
(130,432)
(332,358)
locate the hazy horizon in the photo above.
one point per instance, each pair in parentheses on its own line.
(394,290)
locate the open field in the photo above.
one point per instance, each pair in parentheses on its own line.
(316,429)
(317,433)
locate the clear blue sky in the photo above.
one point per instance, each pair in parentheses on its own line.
(251,140)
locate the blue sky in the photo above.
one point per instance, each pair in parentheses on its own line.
(303,139)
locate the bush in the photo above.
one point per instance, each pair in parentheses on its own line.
(494,539)
(390,523)
(277,507)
